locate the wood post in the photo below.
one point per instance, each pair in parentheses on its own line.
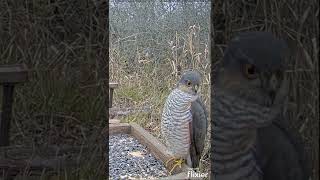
(7,100)
(10,75)
(112,86)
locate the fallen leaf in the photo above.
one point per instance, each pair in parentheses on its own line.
(137,154)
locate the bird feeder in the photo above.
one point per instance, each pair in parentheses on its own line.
(155,147)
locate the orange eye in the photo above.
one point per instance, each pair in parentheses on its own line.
(250,71)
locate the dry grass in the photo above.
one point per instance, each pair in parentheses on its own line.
(147,83)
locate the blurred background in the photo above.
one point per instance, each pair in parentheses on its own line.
(62,104)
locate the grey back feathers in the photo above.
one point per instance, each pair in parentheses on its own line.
(199,131)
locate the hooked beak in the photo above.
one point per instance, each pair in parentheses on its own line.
(189,89)
(196,89)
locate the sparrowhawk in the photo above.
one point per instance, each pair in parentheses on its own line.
(184,121)
(249,141)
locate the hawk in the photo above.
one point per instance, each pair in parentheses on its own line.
(184,121)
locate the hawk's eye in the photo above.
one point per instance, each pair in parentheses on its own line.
(250,71)
(189,83)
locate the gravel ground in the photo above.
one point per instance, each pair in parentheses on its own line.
(128,159)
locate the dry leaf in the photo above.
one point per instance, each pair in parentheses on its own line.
(137,154)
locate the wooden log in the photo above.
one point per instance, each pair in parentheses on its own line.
(154,145)
(119,128)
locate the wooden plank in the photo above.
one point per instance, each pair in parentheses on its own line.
(114,121)
(113,85)
(154,145)
(119,128)
(16,73)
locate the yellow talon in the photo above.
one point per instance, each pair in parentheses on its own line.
(177,162)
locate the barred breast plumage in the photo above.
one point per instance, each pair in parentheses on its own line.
(175,122)
(234,137)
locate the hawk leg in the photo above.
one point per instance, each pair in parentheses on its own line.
(169,160)
(177,162)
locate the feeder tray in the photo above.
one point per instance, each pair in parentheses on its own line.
(155,147)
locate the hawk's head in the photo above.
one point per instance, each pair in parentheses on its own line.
(190,82)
